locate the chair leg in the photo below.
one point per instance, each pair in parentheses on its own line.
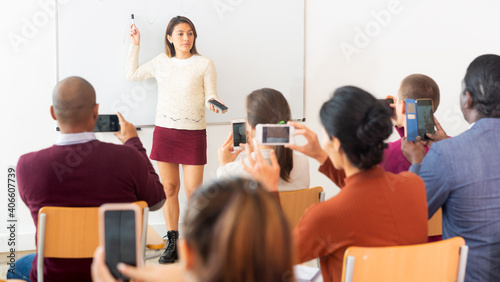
(41,247)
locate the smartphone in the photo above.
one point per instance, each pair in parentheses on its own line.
(425,118)
(411,128)
(120,234)
(275,134)
(107,123)
(239,132)
(218,105)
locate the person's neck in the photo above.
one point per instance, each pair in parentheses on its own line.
(473,116)
(183,55)
(350,169)
(74,129)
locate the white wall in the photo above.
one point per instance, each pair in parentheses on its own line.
(438,38)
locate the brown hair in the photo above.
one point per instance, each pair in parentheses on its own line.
(267,105)
(238,232)
(170,28)
(419,86)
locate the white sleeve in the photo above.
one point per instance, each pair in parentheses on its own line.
(210,82)
(132,70)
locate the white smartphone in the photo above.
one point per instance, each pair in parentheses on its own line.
(238,126)
(275,134)
(120,234)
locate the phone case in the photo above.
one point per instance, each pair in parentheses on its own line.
(115,221)
(411,128)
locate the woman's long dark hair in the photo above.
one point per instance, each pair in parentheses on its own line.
(267,105)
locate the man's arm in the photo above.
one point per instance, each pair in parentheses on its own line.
(435,173)
(432,169)
(149,187)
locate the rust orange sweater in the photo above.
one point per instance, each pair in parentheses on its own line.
(373,208)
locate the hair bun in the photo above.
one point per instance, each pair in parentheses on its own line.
(376,126)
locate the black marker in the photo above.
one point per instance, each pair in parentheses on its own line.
(132,19)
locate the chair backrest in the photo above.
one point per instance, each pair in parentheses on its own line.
(438,261)
(435,224)
(69,232)
(65,232)
(295,203)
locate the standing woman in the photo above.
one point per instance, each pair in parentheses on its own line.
(186,82)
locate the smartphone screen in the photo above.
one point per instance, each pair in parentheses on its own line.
(107,123)
(278,134)
(239,133)
(425,118)
(120,239)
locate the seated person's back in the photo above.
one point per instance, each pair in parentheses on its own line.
(461,173)
(373,208)
(80,171)
(267,106)
(414,86)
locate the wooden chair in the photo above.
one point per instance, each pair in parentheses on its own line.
(295,203)
(438,261)
(435,224)
(69,232)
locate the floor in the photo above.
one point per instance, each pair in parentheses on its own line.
(4,266)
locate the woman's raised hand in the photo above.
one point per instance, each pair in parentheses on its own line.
(135,35)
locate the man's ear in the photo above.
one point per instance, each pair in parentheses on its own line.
(469,103)
(52,112)
(403,108)
(95,111)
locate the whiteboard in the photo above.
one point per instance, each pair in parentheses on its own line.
(253,44)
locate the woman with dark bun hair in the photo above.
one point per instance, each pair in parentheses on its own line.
(373,207)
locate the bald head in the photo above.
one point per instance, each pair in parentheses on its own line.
(73,101)
(419,86)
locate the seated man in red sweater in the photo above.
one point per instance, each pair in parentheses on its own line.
(80,171)
(414,86)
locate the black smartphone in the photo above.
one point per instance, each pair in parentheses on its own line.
(218,105)
(239,133)
(425,118)
(120,232)
(107,123)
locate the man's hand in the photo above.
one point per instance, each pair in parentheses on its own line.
(312,148)
(260,170)
(226,153)
(438,135)
(127,130)
(413,151)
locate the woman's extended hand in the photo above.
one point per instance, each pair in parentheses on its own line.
(312,148)
(212,107)
(267,174)
(135,35)
(226,152)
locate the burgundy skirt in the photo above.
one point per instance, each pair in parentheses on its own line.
(179,146)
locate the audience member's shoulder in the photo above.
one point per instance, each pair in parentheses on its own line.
(405,178)
(36,154)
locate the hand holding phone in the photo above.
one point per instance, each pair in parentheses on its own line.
(107,123)
(120,236)
(275,134)
(238,127)
(218,105)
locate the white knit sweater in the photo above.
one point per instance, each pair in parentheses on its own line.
(183,88)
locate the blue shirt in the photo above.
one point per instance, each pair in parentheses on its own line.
(462,175)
